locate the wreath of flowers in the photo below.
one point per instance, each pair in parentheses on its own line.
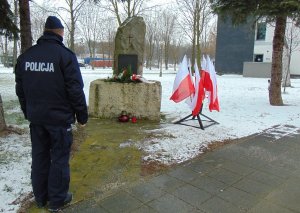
(125,76)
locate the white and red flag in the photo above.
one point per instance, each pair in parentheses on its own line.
(203,63)
(183,86)
(210,84)
(199,92)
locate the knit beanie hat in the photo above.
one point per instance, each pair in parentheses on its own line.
(53,22)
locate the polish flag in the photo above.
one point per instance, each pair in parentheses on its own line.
(203,63)
(199,92)
(183,86)
(210,85)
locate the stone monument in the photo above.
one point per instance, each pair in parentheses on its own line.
(107,99)
(129,45)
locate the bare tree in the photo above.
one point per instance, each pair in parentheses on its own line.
(167,30)
(175,50)
(133,7)
(291,35)
(90,28)
(196,14)
(123,9)
(111,34)
(108,34)
(73,9)
(38,18)
(209,44)
(152,21)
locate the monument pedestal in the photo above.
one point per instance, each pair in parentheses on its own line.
(109,99)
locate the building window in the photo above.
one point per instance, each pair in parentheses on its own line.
(258,57)
(261,31)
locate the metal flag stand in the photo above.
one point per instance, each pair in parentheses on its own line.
(210,120)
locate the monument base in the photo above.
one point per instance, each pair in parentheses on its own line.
(109,99)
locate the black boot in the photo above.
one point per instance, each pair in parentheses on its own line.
(67,200)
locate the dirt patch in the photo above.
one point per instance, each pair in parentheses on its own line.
(11,130)
(216,145)
(79,136)
(152,167)
(25,200)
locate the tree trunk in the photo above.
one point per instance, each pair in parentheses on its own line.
(194,38)
(198,49)
(25,25)
(72,30)
(286,80)
(276,72)
(128,12)
(150,53)
(5,54)
(15,49)
(167,46)
(2,120)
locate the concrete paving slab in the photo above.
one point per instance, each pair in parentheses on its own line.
(287,195)
(217,204)
(266,178)
(275,147)
(242,155)
(192,195)
(209,184)
(225,176)
(88,206)
(144,209)
(238,198)
(296,173)
(276,170)
(145,192)
(170,204)
(205,165)
(253,187)
(237,168)
(265,206)
(184,174)
(120,202)
(166,183)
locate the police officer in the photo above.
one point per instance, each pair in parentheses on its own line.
(50,90)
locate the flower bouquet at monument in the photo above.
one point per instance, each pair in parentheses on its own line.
(123,77)
(126,76)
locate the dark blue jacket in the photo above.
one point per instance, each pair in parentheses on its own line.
(49,83)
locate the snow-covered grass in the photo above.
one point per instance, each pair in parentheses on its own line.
(244,110)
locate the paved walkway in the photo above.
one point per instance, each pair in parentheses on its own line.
(258,174)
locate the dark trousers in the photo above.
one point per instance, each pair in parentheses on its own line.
(50,171)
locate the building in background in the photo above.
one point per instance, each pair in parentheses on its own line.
(234,46)
(255,60)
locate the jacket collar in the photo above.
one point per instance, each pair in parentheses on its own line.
(51,37)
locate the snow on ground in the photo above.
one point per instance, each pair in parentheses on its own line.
(244,110)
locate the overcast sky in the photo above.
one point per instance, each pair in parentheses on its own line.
(149,2)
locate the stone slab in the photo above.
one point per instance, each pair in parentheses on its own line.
(192,195)
(120,202)
(170,204)
(109,99)
(145,192)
